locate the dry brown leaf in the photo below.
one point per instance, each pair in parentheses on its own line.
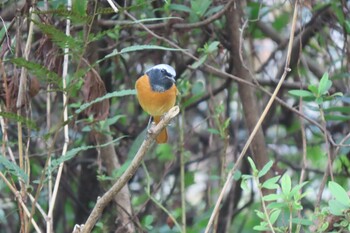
(93,88)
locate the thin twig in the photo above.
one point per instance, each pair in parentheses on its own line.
(19,198)
(182,170)
(21,101)
(65,119)
(114,7)
(155,201)
(258,125)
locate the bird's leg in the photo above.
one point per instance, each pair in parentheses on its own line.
(149,125)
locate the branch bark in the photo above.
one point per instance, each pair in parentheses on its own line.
(246,92)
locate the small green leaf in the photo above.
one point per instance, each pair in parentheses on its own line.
(237,175)
(119,172)
(213,131)
(261,228)
(199,62)
(180,7)
(79,7)
(198,88)
(271,183)
(18,118)
(324,85)
(301,93)
(252,165)
(297,188)
(339,193)
(213,10)
(260,214)
(274,216)
(336,208)
(341,109)
(286,184)
(199,7)
(278,205)
(313,89)
(147,221)
(189,178)
(13,168)
(164,152)
(301,221)
(329,117)
(107,96)
(244,185)
(213,46)
(271,197)
(265,169)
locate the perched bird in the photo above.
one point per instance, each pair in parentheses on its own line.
(156,93)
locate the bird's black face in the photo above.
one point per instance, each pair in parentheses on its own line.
(162,77)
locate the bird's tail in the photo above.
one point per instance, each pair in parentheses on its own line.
(163,136)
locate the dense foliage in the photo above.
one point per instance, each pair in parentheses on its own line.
(261,142)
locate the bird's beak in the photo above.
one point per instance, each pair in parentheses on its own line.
(172,78)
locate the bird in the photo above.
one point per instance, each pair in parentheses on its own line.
(156,92)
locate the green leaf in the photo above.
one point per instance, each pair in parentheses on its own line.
(297,188)
(280,22)
(324,85)
(119,172)
(301,93)
(198,88)
(278,205)
(164,152)
(237,175)
(271,183)
(13,116)
(135,48)
(213,10)
(59,37)
(113,120)
(274,216)
(149,219)
(73,152)
(260,214)
(213,46)
(329,117)
(286,184)
(199,7)
(265,169)
(342,109)
(180,7)
(271,197)
(79,7)
(261,228)
(336,208)
(339,193)
(14,169)
(199,62)
(302,221)
(189,178)
(37,70)
(107,96)
(313,89)
(213,131)
(252,165)
(147,222)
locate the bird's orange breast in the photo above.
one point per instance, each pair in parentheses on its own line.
(154,103)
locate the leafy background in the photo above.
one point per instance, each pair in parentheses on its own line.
(71,123)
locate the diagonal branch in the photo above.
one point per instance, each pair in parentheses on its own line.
(129,172)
